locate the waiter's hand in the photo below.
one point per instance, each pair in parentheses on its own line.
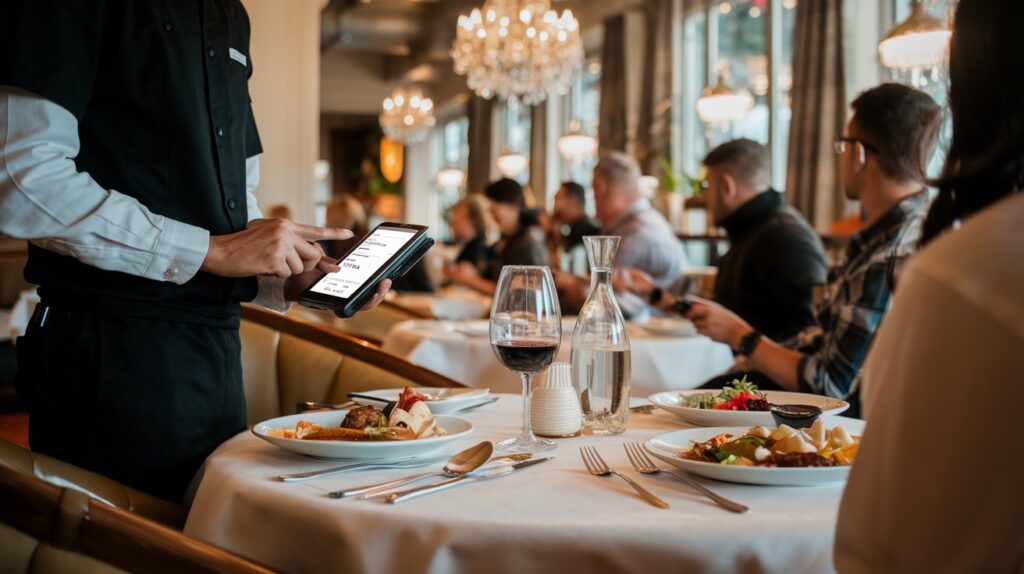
(269,247)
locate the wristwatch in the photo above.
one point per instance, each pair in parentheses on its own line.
(747,344)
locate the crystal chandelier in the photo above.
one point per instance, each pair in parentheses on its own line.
(407,116)
(518,50)
(576,145)
(512,164)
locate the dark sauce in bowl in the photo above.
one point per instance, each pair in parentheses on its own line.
(796,416)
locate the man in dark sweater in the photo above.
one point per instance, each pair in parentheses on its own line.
(775,258)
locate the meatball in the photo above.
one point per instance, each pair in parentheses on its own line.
(364,417)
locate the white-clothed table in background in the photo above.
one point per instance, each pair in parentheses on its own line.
(658,363)
(554,517)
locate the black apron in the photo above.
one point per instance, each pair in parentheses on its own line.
(134,378)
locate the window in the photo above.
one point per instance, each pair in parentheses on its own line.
(734,38)
(451,141)
(582,105)
(514,134)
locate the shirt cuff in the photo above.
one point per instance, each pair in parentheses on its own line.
(805,373)
(271,294)
(179,253)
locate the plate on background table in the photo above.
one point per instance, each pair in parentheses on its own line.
(449,400)
(669,327)
(455,428)
(668,400)
(668,446)
(480,328)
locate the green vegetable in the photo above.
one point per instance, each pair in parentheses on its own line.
(744,446)
(697,401)
(730,459)
(737,386)
(711,400)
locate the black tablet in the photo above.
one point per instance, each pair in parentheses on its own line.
(388,252)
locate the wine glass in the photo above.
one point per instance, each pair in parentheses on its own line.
(526,330)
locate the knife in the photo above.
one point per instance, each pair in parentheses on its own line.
(452,482)
(407,462)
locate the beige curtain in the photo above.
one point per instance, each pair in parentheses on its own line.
(611,134)
(538,154)
(478,173)
(819,112)
(654,134)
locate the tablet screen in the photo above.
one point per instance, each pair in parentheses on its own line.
(363,262)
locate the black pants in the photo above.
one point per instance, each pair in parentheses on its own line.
(141,401)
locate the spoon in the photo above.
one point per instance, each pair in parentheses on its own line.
(459,464)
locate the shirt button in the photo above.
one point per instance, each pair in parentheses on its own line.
(220,132)
(211,52)
(168,26)
(231,204)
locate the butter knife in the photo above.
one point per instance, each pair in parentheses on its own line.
(411,493)
(408,462)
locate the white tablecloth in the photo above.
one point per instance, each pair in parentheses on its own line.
(658,363)
(551,518)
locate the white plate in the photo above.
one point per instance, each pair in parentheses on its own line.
(668,446)
(454,400)
(357,450)
(712,417)
(481,328)
(669,327)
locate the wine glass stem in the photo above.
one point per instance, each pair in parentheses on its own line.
(527,426)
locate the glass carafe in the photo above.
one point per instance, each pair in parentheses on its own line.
(600,345)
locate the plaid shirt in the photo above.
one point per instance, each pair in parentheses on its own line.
(857,299)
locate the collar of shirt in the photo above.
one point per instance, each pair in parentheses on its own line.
(747,216)
(889,223)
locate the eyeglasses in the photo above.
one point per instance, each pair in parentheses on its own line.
(839,143)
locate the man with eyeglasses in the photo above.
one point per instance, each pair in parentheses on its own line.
(884,154)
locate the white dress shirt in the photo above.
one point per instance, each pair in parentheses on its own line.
(936,486)
(47,201)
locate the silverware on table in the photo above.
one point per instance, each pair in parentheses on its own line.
(311,405)
(411,493)
(462,462)
(477,405)
(407,462)
(642,409)
(644,465)
(368,398)
(385,489)
(598,467)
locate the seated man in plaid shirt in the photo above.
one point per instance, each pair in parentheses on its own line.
(884,154)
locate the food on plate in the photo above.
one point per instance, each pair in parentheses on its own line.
(738,395)
(783,446)
(367,423)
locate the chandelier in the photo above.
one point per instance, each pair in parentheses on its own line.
(576,145)
(518,50)
(919,43)
(407,116)
(512,164)
(721,105)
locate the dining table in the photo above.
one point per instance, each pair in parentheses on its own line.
(461,350)
(553,517)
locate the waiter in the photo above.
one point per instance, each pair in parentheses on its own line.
(128,158)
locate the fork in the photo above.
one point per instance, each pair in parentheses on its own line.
(644,465)
(598,467)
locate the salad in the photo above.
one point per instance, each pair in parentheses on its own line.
(782,447)
(738,395)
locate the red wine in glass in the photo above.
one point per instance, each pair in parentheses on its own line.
(525,356)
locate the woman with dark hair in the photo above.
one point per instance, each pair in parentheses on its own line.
(522,239)
(937,481)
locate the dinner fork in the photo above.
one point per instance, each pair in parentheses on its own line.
(644,465)
(598,467)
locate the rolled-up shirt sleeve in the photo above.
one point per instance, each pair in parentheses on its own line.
(271,289)
(46,200)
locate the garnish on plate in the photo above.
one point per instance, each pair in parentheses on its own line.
(737,395)
(781,447)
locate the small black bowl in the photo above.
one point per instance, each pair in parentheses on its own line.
(796,416)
